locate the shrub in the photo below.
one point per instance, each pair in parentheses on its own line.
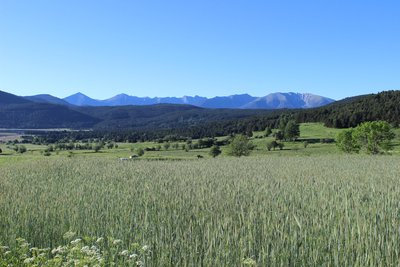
(215,151)
(140,152)
(373,137)
(240,146)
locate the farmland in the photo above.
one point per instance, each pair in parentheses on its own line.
(297,211)
(311,206)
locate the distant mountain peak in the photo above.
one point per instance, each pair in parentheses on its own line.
(80,99)
(270,101)
(288,100)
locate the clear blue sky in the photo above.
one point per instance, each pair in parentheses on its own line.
(174,48)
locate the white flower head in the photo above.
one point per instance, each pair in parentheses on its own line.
(76,241)
(69,235)
(117,241)
(29,260)
(124,253)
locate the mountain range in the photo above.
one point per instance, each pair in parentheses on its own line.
(46,111)
(241,101)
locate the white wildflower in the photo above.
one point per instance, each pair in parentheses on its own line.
(69,235)
(60,249)
(124,253)
(76,241)
(85,249)
(29,260)
(117,241)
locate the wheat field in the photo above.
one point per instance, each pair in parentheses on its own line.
(331,210)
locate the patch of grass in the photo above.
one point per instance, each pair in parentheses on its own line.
(317,130)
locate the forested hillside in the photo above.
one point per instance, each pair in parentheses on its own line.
(352,111)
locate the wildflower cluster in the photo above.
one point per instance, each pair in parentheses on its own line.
(80,252)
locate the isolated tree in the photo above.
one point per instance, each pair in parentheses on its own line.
(1,151)
(175,146)
(166,145)
(240,146)
(346,142)
(268,131)
(188,147)
(22,149)
(281,145)
(249,131)
(374,136)
(140,152)
(292,130)
(97,147)
(283,121)
(279,135)
(110,145)
(272,145)
(215,151)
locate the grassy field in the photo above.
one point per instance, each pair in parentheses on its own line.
(296,211)
(308,130)
(299,206)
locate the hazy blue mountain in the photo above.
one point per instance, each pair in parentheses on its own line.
(10,99)
(194,100)
(233,101)
(46,98)
(242,101)
(80,99)
(124,99)
(288,100)
(18,112)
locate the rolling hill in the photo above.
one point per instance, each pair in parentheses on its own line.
(351,111)
(46,98)
(19,112)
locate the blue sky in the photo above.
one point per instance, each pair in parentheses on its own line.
(175,48)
